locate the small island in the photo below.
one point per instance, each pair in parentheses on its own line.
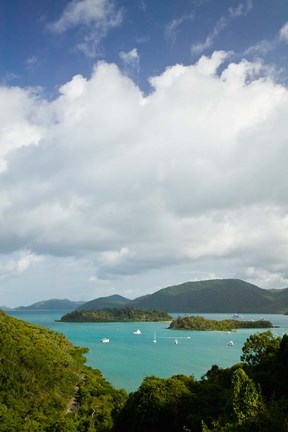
(200,323)
(124,314)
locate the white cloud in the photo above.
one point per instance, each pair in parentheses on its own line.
(31,62)
(175,25)
(241,9)
(209,65)
(283,33)
(17,128)
(85,12)
(131,62)
(261,48)
(18,266)
(190,180)
(172,28)
(98,17)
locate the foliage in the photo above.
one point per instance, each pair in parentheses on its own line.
(158,404)
(200,323)
(42,373)
(116,314)
(39,371)
(260,347)
(224,400)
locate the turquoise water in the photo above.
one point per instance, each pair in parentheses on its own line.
(129,358)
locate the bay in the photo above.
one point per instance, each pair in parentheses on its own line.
(128,358)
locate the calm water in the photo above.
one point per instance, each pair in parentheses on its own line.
(129,358)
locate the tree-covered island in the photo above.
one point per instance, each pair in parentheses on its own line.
(128,314)
(200,323)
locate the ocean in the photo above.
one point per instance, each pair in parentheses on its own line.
(128,358)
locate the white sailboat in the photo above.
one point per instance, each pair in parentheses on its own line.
(138,332)
(155,339)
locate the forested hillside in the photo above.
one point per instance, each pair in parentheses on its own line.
(218,295)
(40,372)
(112,301)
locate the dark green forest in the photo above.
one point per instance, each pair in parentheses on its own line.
(116,314)
(200,323)
(45,386)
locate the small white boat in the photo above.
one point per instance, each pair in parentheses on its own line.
(105,340)
(155,339)
(231,343)
(176,342)
(137,331)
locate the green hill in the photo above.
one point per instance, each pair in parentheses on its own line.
(113,301)
(52,304)
(211,296)
(218,295)
(45,386)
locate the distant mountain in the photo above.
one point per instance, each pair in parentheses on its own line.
(53,304)
(113,301)
(218,295)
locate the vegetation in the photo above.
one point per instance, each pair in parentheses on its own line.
(200,323)
(116,314)
(39,372)
(248,397)
(105,302)
(46,387)
(218,295)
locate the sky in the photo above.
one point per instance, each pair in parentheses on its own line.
(143,143)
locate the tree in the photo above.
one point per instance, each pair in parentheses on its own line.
(259,348)
(247,400)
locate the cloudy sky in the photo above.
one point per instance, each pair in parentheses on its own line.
(142,144)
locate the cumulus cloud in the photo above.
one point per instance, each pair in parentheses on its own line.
(96,17)
(17,128)
(191,176)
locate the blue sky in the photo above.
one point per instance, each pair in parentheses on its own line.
(163,33)
(142,144)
